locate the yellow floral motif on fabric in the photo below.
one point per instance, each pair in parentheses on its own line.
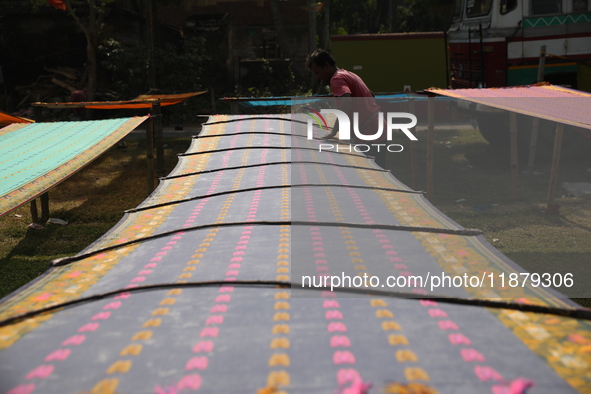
(550,338)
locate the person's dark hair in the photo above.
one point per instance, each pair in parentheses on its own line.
(320,58)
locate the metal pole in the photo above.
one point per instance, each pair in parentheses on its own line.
(542,63)
(430,139)
(151,175)
(158,139)
(34,212)
(533,143)
(213,104)
(414,164)
(38,113)
(44,207)
(447,68)
(482,77)
(470,57)
(551,208)
(514,156)
(536,121)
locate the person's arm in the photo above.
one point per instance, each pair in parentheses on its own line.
(344,104)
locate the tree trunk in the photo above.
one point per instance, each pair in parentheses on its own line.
(286,50)
(311,29)
(90,31)
(326,30)
(393,14)
(150,39)
(91,49)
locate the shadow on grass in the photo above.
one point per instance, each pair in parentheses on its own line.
(472,185)
(92,201)
(465,167)
(558,265)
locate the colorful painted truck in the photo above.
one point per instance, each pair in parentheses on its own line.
(496,43)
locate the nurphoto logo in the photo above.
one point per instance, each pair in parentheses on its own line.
(345,134)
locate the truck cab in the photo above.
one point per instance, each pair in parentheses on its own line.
(495,43)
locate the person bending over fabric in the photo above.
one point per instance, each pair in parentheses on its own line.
(345,84)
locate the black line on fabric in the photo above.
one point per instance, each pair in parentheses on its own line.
(271,147)
(250,189)
(269,164)
(578,313)
(254,118)
(465,232)
(248,133)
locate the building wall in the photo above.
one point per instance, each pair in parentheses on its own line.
(389,62)
(252,33)
(251,22)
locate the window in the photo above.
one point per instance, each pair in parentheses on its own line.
(478,7)
(580,5)
(265,45)
(508,6)
(458,10)
(542,7)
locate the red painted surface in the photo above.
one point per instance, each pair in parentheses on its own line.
(471,63)
(392,36)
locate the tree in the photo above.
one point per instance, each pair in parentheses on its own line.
(282,36)
(422,15)
(355,16)
(88,16)
(389,16)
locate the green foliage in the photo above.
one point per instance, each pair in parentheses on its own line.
(35,4)
(126,67)
(372,16)
(73,3)
(420,15)
(340,31)
(79,7)
(179,69)
(354,16)
(266,79)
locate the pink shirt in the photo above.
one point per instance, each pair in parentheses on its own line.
(343,82)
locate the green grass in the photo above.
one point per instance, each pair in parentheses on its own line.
(92,201)
(472,185)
